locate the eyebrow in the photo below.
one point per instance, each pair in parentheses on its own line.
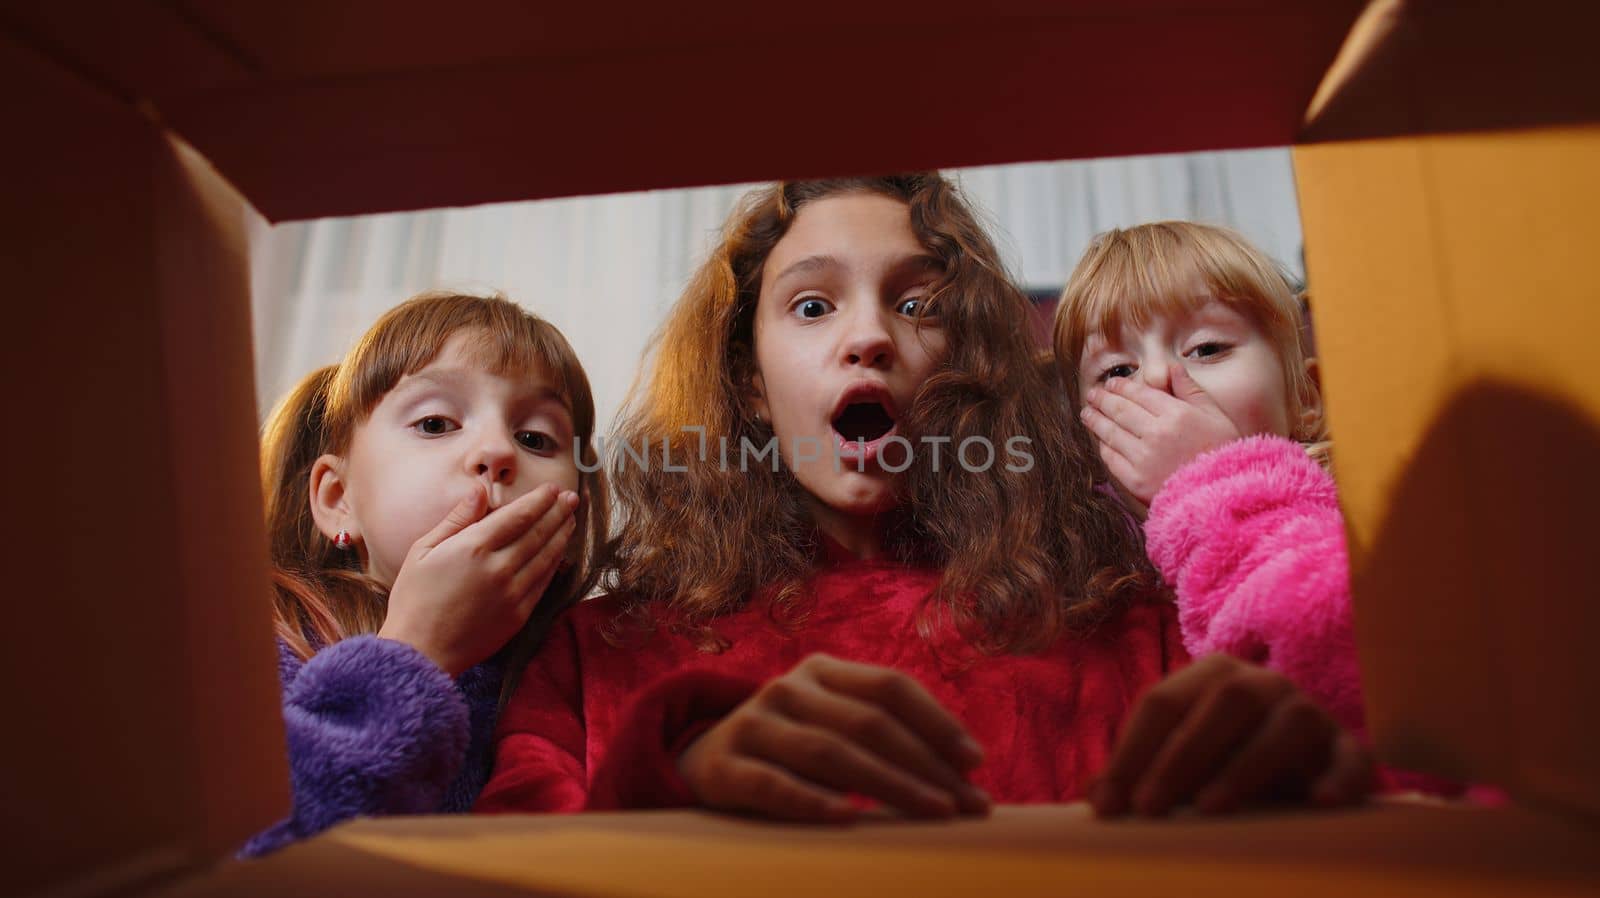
(449,377)
(918,262)
(1094,345)
(807,265)
(1217,312)
(439,378)
(551,395)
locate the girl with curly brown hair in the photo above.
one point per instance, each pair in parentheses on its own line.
(862,560)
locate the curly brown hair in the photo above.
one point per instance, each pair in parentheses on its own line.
(1026,555)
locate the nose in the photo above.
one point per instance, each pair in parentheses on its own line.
(867,342)
(1157,373)
(493,458)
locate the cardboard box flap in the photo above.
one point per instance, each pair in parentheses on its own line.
(1455,322)
(360,107)
(147,736)
(1429,66)
(1396,850)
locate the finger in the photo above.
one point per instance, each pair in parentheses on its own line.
(750,784)
(1350,774)
(1118,465)
(535,594)
(533,578)
(1295,740)
(506,524)
(527,544)
(1109,432)
(465,513)
(828,759)
(1115,404)
(906,700)
(1140,395)
(1154,718)
(1212,731)
(879,732)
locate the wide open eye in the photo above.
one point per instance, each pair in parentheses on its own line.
(812,307)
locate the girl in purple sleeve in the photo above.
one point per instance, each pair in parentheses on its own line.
(1181,347)
(429,518)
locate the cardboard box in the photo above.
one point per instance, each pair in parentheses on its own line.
(143,742)
(1452,303)
(315,109)
(1450,278)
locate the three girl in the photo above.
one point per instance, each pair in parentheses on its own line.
(883,606)
(428,520)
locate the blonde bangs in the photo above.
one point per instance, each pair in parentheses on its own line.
(1131,283)
(1131,276)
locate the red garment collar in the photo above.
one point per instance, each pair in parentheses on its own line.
(832,553)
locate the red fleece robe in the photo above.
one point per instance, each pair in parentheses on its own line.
(595,726)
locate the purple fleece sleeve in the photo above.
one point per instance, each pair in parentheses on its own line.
(374,727)
(1251,539)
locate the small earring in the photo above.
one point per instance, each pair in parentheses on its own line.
(343,540)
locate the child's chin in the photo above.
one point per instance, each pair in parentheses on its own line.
(863,494)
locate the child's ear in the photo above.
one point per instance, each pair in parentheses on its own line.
(1311,402)
(330,507)
(758,397)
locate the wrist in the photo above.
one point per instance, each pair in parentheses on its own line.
(1139,508)
(398,632)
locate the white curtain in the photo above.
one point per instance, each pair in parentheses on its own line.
(605,269)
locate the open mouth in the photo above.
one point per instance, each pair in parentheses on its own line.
(864,421)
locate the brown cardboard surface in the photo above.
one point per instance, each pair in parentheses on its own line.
(1454,315)
(316,108)
(231,703)
(1456,311)
(145,734)
(1427,66)
(1395,849)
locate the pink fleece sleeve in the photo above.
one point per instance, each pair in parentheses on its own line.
(1251,539)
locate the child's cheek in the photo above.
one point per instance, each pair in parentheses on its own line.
(1243,405)
(564,473)
(1258,414)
